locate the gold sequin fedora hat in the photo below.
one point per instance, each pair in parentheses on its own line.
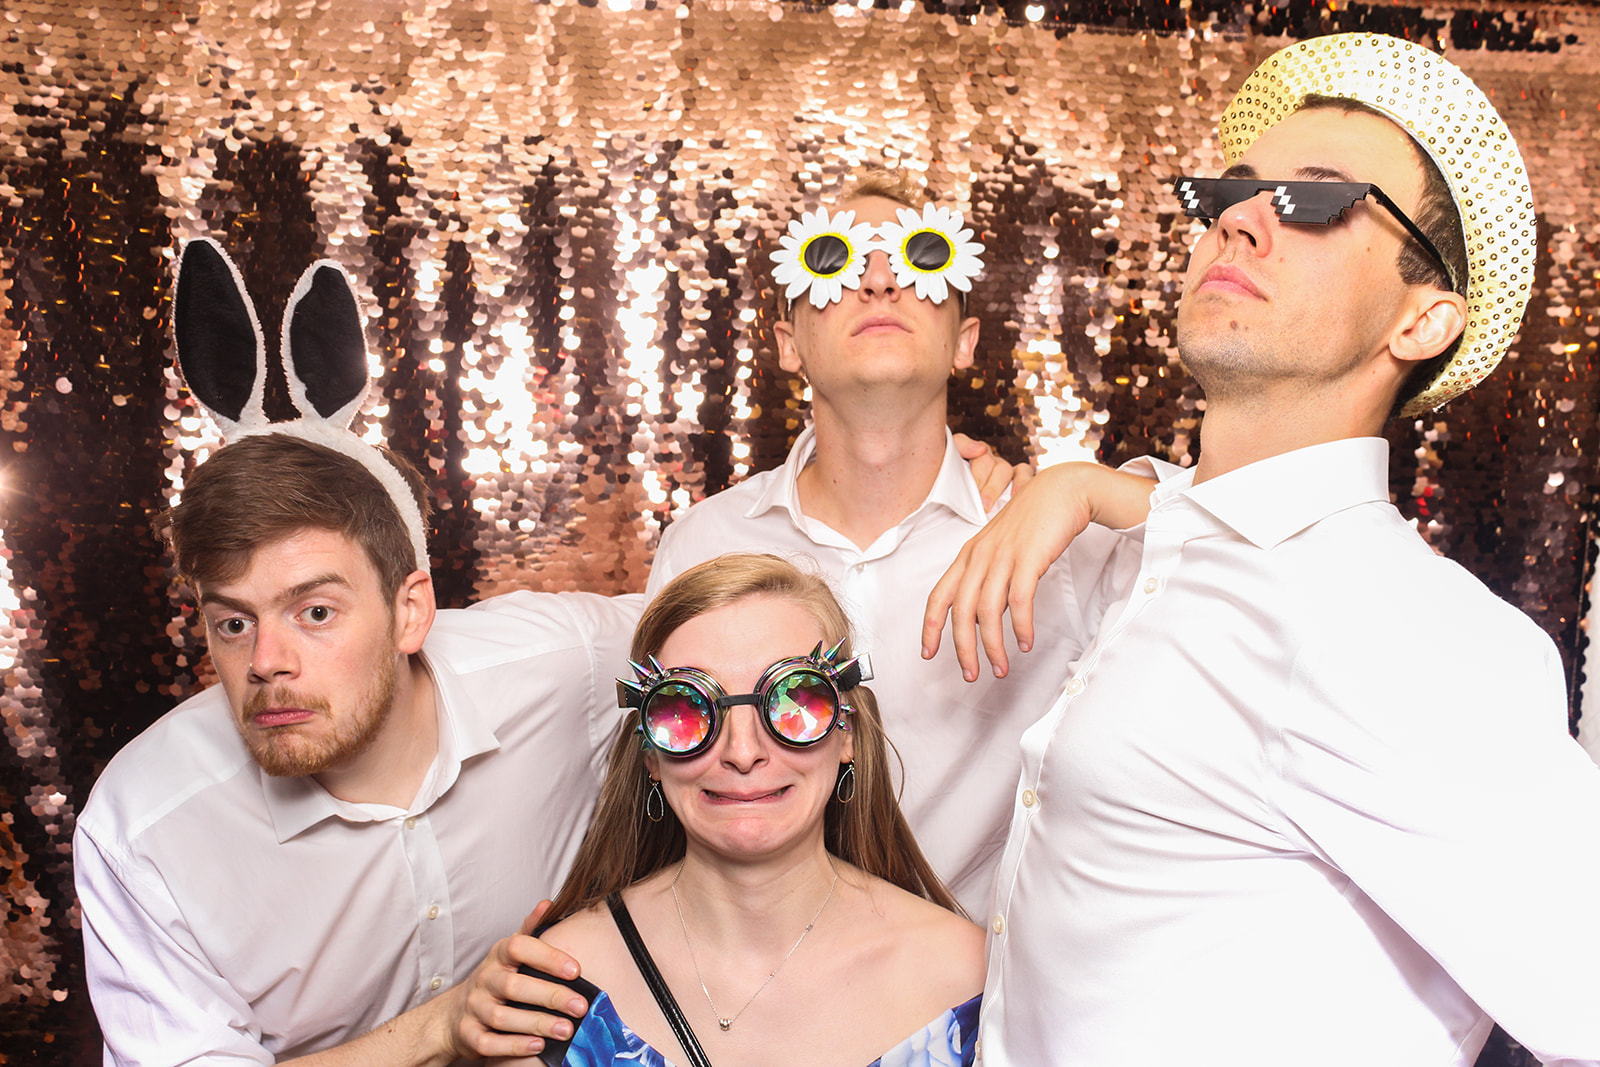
(1455,123)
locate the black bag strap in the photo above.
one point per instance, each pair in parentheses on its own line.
(658,986)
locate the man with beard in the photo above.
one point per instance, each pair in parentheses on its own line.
(1310,797)
(322,855)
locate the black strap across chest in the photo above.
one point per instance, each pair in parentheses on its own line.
(657,985)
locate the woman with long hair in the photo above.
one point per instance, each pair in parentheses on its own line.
(748,841)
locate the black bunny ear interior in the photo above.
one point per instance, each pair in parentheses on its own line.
(219,342)
(326,348)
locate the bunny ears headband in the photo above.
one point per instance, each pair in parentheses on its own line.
(223,358)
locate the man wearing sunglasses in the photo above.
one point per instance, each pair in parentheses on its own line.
(877,495)
(1310,798)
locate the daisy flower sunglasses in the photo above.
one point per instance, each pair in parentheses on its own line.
(930,251)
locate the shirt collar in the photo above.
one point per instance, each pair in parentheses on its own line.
(783,491)
(953,488)
(297,804)
(1271,500)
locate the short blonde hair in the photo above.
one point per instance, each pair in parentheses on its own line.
(896,185)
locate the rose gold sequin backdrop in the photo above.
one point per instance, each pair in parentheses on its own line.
(559,214)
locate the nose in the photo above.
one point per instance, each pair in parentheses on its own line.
(272,657)
(878,279)
(1249,223)
(744,741)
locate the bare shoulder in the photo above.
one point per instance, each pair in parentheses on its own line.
(941,950)
(583,934)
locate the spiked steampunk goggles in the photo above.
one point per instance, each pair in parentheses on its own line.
(799,700)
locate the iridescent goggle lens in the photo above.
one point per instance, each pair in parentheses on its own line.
(678,717)
(681,713)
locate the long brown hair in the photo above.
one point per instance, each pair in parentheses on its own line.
(623,845)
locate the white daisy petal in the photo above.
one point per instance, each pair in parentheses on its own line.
(958,270)
(791,270)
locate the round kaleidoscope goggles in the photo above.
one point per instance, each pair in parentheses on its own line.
(800,700)
(822,255)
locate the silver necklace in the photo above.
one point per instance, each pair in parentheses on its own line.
(727,1024)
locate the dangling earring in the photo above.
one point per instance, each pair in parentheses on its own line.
(655,805)
(845,790)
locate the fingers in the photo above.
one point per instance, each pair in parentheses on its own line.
(997,478)
(972,593)
(987,604)
(504,1012)
(1019,599)
(531,923)
(526,951)
(993,474)
(938,606)
(967,448)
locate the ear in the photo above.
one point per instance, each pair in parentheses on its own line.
(1436,319)
(221,353)
(788,354)
(650,767)
(847,750)
(966,344)
(324,346)
(414,608)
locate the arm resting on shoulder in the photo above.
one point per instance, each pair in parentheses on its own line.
(998,570)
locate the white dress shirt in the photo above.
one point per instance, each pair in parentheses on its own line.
(1310,800)
(958,740)
(234,918)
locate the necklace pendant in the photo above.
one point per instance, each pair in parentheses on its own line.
(726,1024)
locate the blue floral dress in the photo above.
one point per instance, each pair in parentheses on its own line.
(603,1039)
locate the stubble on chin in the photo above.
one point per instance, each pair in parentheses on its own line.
(294,752)
(1218,356)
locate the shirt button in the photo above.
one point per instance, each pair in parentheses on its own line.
(1152,584)
(1075,686)
(999,924)
(433,912)
(411,823)
(1029,798)
(436,983)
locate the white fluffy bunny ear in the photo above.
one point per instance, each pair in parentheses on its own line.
(324,350)
(324,345)
(220,349)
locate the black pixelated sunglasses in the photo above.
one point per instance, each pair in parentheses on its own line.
(1312,203)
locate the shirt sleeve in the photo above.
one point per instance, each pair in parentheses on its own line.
(1426,757)
(157,1001)
(666,565)
(609,623)
(603,627)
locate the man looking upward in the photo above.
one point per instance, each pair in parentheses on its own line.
(1310,798)
(876,493)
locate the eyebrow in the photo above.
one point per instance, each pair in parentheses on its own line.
(310,585)
(1304,174)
